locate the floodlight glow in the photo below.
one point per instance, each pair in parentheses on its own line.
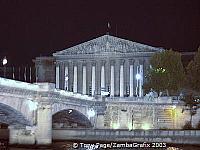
(146,126)
(138,76)
(115,125)
(32,105)
(174,107)
(70,111)
(91,113)
(131,126)
(5,61)
(66,78)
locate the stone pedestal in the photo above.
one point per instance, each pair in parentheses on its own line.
(44,125)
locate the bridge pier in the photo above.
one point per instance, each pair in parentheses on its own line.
(13,135)
(100,121)
(44,125)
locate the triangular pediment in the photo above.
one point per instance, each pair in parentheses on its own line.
(107,44)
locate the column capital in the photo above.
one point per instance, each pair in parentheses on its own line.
(62,64)
(121,61)
(112,62)
(84,62)
(57,63)
(137,61)
(75,63)
(93,62)
(141,61)
(131,61)
(66,63)
(103,62)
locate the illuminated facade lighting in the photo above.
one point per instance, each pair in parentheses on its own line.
(91,113)
(146,126)
(115,125)
(174,107)
(32,105)
(138,76)
(70,111)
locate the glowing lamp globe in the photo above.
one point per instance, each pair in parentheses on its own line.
(138,76)
(5,61)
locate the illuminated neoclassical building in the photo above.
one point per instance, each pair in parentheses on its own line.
(106,64)
(116,68)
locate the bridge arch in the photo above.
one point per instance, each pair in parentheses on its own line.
(10,116)
(70,118)
(20,105)
(56,107)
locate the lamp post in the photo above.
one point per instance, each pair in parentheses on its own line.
(5,61)
(138,77)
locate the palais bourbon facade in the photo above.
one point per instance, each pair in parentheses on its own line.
(112,70)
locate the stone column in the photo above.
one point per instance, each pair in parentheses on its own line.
(131,78)
(93,79)
(71,76)
(66,78)
(141,81)
(112,80)
(136,66)
(44,124)
(84,79)
(89,77)
(57,76)
(121,78)
(102,76)
(75,84)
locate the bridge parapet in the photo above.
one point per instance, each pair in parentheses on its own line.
(18,84)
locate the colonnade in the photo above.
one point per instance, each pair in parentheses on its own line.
(123,77)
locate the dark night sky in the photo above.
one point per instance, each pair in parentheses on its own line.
(29,29)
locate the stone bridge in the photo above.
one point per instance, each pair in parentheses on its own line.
(28,110)
(25,106)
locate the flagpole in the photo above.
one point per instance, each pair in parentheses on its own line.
(25,73)
(19,73)
(108,28)
(13,73)
(30,74)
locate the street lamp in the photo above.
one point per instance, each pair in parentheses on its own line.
(138,78)
(5,61)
